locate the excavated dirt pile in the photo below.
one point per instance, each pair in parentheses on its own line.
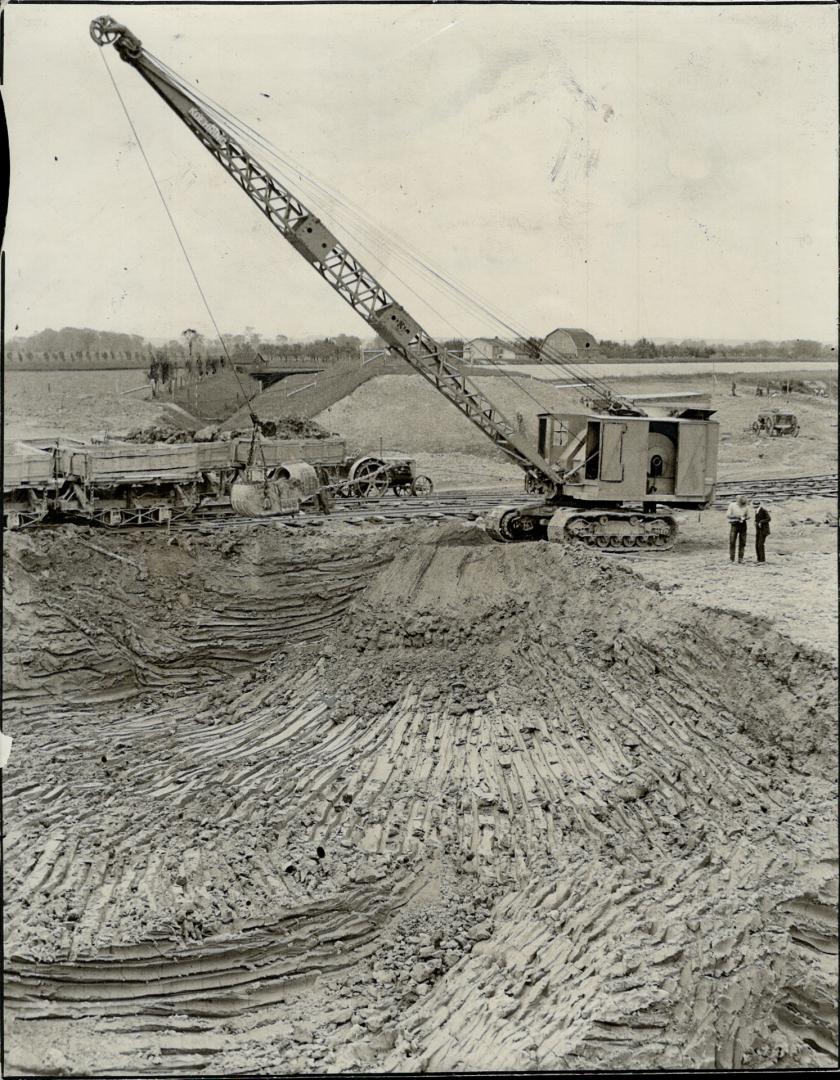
(288,427)
(91,616)
(506,807)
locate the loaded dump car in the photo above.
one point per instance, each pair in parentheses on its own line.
(125,483)
(117,483)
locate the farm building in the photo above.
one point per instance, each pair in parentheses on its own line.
(571,343)
(493,349)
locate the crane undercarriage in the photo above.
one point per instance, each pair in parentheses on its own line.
(604,527)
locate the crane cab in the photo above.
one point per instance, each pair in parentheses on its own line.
(609,459)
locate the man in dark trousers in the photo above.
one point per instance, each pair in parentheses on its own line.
(762,530)
(737,514)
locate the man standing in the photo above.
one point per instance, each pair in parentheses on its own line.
(762,531)
(324,500)
(737,514)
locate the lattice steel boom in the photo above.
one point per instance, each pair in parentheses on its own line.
(322,250)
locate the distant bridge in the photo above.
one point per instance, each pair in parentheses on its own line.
(273,373)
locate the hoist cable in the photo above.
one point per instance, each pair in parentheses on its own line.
(175,229)
(564,368)
(232,121)
(195,276)
(552,360)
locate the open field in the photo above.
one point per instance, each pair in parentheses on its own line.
(82,404)
(747,369)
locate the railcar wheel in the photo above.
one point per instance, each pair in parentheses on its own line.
(422,485)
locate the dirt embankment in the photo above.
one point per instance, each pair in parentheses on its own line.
(404,411)
(92,617)
(513,807)
(794,592)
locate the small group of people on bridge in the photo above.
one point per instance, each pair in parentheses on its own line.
(168,374)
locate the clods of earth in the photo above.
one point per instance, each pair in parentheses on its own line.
(406,800)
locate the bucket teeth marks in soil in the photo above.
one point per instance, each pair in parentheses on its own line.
(511,805)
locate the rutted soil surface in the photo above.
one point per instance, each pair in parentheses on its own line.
(89,616)
(382,800)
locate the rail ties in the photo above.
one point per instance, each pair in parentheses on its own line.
(778,488)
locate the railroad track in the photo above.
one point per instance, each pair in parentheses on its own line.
(469,505)
(774,490)
(463,504)
(386,509)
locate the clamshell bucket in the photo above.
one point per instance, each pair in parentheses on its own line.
(262,493)
(302,476)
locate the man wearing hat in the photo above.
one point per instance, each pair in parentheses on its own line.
(762,530)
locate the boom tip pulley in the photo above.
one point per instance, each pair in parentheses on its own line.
(107,31)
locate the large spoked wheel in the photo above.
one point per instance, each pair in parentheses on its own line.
(371,479)
(422,485)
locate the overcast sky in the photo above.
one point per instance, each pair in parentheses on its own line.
(634,171)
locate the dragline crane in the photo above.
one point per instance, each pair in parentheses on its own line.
(608,478)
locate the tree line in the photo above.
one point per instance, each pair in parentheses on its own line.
(72,344)
(796,349)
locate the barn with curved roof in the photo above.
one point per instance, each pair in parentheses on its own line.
(572,343)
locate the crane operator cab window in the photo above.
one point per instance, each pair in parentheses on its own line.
(661,458)
(593,450)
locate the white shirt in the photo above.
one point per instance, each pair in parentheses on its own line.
(736,512)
